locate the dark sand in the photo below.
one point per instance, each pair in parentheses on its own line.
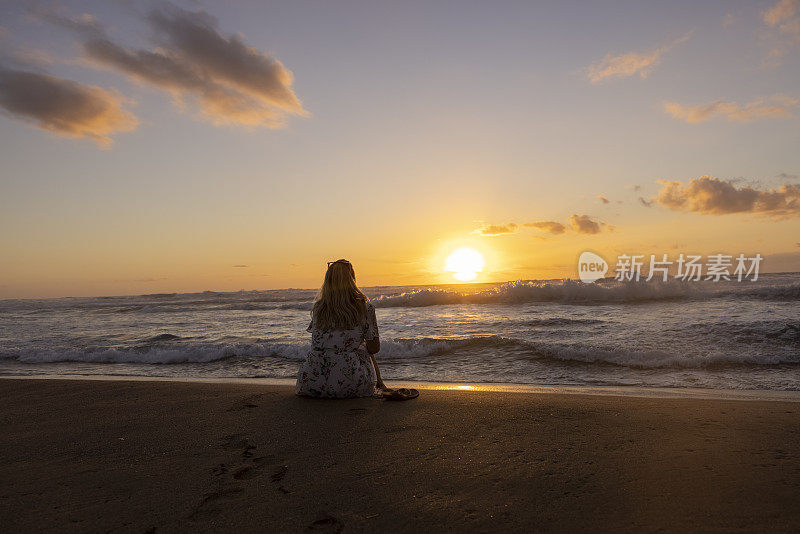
(171,456)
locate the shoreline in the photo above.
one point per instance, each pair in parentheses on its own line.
(616,391)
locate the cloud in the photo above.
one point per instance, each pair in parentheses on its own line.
(787,176)
(495,229)
(63,106)
(629,64)
(12,56)
(603,199)
(646,203)
(583,224)
(31,57)
(240,266)
(552,227)
(727,20)
(777,106)
(781,12)
(783,30)
(231,82)
(82,23)
(712,196)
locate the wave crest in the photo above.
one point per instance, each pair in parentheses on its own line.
(573,292)
(498,348)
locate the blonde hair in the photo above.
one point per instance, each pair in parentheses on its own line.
(340,305)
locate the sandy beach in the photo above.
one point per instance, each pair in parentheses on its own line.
(138,456)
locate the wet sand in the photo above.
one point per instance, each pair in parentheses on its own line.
(177,456)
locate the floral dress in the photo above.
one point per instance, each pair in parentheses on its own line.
(338,364)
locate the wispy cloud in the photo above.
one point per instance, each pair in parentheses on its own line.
(497,229)
(629,64)
(780,13)
(711,196)
(646,203)
(241,266)
(552,227)
(232,82)
(603,199)
(728,20)
(63,106)
(783,30)
(775,107)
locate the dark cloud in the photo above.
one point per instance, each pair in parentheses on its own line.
(232,83)
(646,203)
(63,106)
(495,229)
(552,227)
(603,199)
(241,266)
(712,196)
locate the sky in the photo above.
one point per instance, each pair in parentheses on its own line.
(174,147)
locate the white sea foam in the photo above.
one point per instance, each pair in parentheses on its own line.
(493,347)
(570,291)
(722,335)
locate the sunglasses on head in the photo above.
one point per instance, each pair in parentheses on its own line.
(338,261)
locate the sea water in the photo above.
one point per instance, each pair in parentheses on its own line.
(720,335)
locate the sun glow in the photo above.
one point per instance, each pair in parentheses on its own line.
(465,264)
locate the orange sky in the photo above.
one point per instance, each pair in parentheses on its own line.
(389,135)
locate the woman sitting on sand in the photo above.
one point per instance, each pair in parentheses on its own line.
(344,338)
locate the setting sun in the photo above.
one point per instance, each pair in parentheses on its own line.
(465,264)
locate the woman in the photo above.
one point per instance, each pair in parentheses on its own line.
(344,337)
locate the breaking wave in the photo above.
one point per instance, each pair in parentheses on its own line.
(570,291)
(494,348)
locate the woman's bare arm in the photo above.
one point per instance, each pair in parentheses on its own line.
(373,346)
(378,381)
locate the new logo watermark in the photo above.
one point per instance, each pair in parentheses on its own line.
(591,267)
(690,268)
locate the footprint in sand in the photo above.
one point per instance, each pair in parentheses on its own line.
(245,403)
(326,523)
(249,467)
(278,475)
(210,504)
(252,469)
(236,442)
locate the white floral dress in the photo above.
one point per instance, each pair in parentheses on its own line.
(338,364)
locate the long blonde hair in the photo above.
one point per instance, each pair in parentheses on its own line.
(340,305)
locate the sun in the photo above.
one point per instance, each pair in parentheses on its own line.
(465,264)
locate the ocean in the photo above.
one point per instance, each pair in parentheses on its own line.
(718,335)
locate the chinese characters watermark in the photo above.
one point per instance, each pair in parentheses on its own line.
(690,268)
